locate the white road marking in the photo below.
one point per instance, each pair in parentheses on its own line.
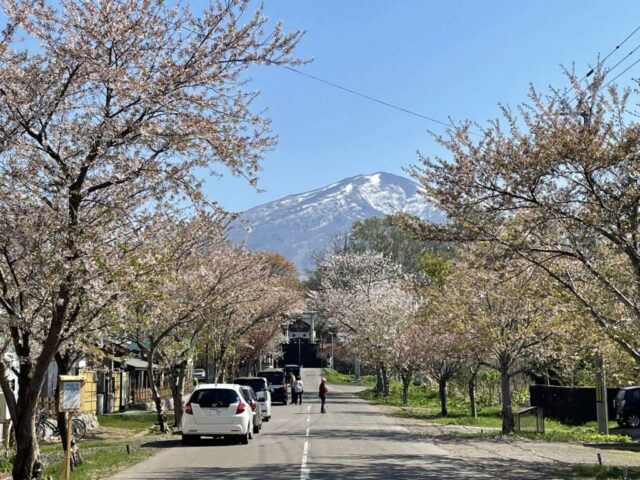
(308,408)
(307,432)
(304,470)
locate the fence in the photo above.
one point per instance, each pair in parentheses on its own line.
(144,395)
(570,404)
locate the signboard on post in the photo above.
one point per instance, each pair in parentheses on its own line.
(69,401)
(70,387)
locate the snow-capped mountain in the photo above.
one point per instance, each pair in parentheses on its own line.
(298,226)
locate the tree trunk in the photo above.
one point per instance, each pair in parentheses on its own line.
(155,393)
(406,376)
(472,392)
(63,363)
(26,464)
(442,391)
(507,412)
(379,381)
(177,392)
(385,381)
(31,378)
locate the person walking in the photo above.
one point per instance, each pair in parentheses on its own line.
(322,393)
(298,387)
(292,381)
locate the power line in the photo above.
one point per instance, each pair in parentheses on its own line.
(369,97)
(620,74)
(621,43)
(334,85)
(603,61)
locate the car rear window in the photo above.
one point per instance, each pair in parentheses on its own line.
(274,378)
(218,397)
(257,385)
(633,394)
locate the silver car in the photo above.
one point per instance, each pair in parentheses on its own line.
(260,385)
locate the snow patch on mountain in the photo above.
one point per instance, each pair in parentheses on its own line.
(300,226)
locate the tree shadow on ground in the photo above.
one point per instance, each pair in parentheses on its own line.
(374,467)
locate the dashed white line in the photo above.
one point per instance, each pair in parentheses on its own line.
(304,470)
(307,432)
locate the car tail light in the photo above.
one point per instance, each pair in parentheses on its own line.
(241,408)
(187,409)
(253,405)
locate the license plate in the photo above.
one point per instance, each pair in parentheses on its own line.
(213,412)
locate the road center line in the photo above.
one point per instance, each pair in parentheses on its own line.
(304,470)
(307,432)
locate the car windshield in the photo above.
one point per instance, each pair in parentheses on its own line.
(218,397)
(274,378)
(255,383)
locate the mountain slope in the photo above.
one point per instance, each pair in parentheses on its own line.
(300,225)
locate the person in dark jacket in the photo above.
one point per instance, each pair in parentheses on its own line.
(322,393)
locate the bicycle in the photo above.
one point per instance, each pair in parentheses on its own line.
(44,423)
(78,427)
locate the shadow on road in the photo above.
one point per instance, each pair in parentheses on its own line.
(383,467)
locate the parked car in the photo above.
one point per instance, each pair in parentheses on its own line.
(217,410)
(278,382)
(296,370)
(627,404)
(260,385)
(199,373)
(252,400)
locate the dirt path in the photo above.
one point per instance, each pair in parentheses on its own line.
(475,449)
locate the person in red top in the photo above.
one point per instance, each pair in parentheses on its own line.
(322,393)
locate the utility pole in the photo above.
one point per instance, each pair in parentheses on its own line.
(356,368)
(299,356)
(331,365)
(602,410)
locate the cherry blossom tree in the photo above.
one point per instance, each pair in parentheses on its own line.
(370,302)
(107,110)
(556,184)
(511,319)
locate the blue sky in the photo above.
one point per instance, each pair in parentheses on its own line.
(453,58)
(456,58)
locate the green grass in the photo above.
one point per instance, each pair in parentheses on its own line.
(104,461)
(136,423)
(338,378)
(424,404)
(599,472)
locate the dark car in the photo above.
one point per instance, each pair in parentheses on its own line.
(627,405)
(292,369)
(278,382)
(252,399)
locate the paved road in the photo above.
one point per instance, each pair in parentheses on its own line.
(352,441)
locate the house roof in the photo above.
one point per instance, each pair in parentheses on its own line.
(138,364)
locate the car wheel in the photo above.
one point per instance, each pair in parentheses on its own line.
(256,429)
(633,421)
(190,439)
(244,439)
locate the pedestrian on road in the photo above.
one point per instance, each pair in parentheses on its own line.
(298,387)
(292,380)
(322,393)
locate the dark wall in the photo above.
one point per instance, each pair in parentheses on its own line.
(570,404)
(309,354)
